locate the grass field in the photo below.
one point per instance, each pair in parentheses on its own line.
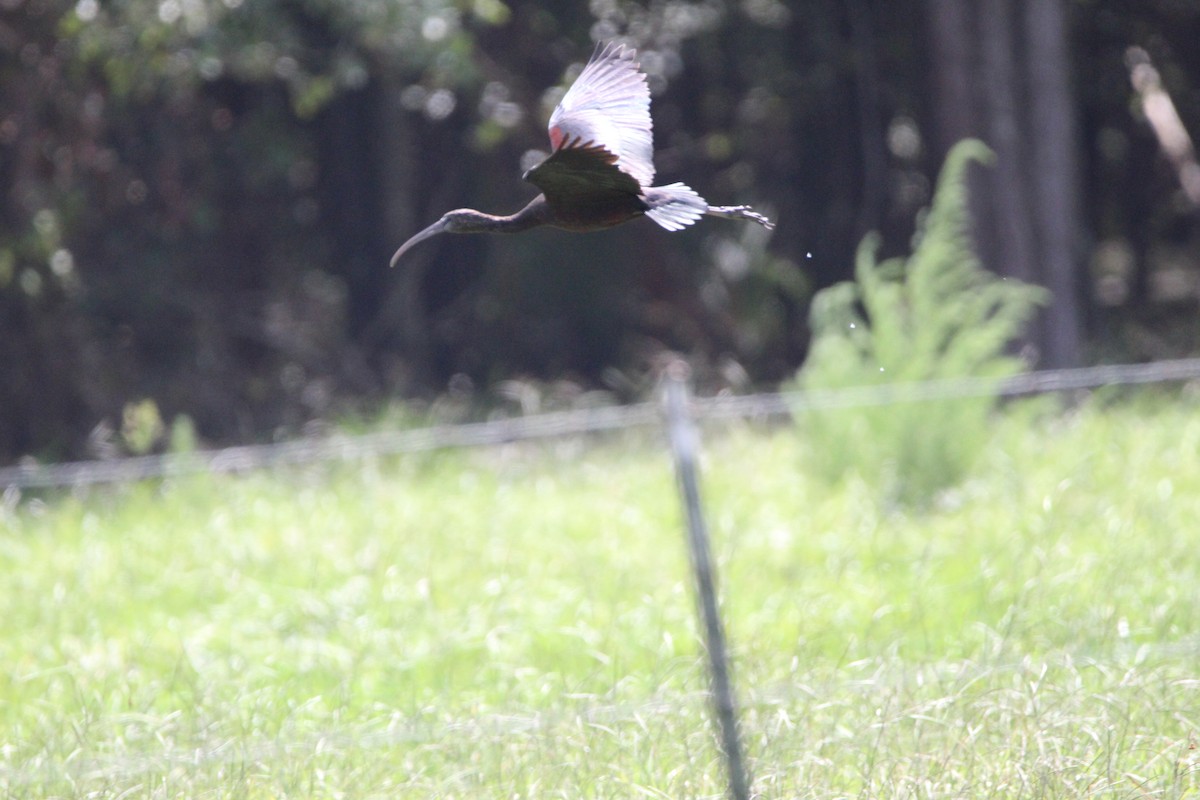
(517,622)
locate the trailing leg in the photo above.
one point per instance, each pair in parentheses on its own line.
(740,212)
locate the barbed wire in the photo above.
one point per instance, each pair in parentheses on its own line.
(578,422)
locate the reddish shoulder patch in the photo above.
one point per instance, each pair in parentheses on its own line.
(556,136)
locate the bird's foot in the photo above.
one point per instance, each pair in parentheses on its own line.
(740,212)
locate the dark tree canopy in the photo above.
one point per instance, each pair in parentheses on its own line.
(200,197)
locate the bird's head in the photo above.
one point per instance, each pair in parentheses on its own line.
(457,221)
(460,220)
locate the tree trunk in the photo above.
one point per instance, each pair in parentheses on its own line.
(1014,253)
(953,72)
(351,197)
(1055,181)
(1000,73)
(958,108)
(401,310)
(870,124)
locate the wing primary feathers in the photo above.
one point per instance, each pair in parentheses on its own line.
(609,104)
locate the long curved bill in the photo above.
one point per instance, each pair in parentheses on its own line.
(432,230)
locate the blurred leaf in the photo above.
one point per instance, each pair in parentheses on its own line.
(141,426)
(935,315)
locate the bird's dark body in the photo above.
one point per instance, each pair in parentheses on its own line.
(599,173)
(588,217)
(583,190)
(585,215)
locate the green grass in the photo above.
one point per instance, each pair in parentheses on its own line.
(518,622)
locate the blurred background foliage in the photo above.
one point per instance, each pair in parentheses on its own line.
(936,315)
(200,196)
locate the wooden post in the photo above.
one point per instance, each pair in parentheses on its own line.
(684,447)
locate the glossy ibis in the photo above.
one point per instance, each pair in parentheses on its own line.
(601,166)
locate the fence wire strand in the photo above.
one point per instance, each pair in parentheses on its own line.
(578,422)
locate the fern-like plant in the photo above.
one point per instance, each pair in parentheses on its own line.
(936,315)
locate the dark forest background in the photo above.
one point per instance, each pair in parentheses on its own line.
(200,197)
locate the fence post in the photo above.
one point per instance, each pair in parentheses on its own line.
(684,447)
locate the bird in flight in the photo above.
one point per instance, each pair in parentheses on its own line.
(599,172)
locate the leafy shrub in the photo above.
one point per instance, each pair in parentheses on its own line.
(936,315)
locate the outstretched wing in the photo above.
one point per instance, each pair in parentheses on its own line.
(609,105)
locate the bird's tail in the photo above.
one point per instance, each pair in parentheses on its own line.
(675,206)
